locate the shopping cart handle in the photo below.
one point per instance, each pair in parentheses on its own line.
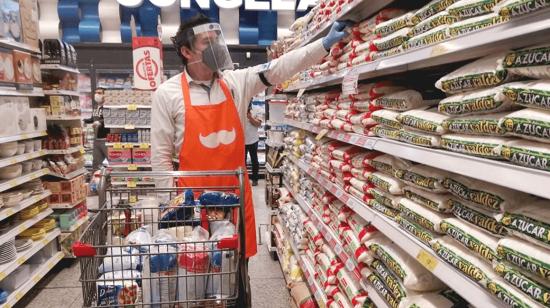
(229,242)
(83,250)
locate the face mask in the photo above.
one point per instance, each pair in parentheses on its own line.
(98,98)
(216,57)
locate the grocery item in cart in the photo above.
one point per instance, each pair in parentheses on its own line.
(533,124)
(531,222)
(443,299)
(526,153)
(482,146)
(532,62)
(118,288)
(478,217)
(424,177)
(119,259)
(532,93)
(427,38)
(479,124)
(419,138)
(426,218)
(439,19)
(465,9)
(429,120)
(515,8)
(422,234)
(476,102)
(221,261)
(482,73)
(483,244)
(462,259)
(476,23)
(534,287)
(177,210)
(160,267)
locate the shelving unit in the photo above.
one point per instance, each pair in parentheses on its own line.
(12,91)
(23,225)
(59,206)
(8,184)
(22,136)
(465,287)
(70,150)
(6,212)
(21,158)
(63,118)
(69,176)
(58,67)
(61,92)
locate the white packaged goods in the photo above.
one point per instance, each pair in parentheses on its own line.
(424,217)
(483,73)
(413,275)
(384,198)
(476,102)
(462,259)
(532,62)
(508,294)
(386,183)
(113,288)
(479,124)
(389,164)
(394,24)
(464,9)
(531,221)
(387,117)
(471,237)
(533,94)
(159,277)
(360,173)
(443,299)
(433,201)
(429,121)
(392,40)
(526,153)
(515,8)
(424,177)
(361,160)
(389,212)
(393,283)
(416,230)
(478,217)
(489,196)
(353,291)
(476,23)
(430,37)
(528,123)
(439,19)
(363,229)
(419,138)
(534,287)
(359,251)
(382,289)
(430,9)
(482,146)
(359,184)
(527,256)
(401,101)
(346,153)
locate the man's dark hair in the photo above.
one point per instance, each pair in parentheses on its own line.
(184,35)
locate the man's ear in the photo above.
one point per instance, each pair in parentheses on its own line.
(186,52)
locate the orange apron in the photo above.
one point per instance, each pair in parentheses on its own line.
(214,140)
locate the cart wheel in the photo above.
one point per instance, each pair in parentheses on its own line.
(274,256)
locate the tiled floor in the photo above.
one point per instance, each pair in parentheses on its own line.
(61,288)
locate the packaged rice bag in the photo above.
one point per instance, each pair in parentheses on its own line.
(387,117)
(346,153)
(533,124)
(387,53)
(534,287)
(476,102)
(526,153)
(384,198)
(515,8)
(482,73)
(532,62)
(389,164)
(482,146)
(430,120)
(387,132)
(392,40)
(434,201)
(424,177)
(419,138)
(418,231)
(479,124)
(476,23)
(361,160)
(428,219)
(401,101)
(483,244)
(394,24)
(389,212)
(386,183)
(479,217)
(530,222)
(508,294)
(527,256)
(393,283)
(532,94)
(465,9)
(360,252)
(382,290)
(440,19)
(363,229)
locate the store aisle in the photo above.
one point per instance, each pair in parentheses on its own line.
(61,288)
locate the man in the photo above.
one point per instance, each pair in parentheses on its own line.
(251,140)
(200,113)
(100,149)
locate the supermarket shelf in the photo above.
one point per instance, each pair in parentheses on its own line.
(530,29)
(20,158)
(35,278)
(128,126)
(70,150)
(76,225)
(465,287)
(520,178)
(130,167)
(23,225)
(8,184)
(12,91)
(9,211)
(58,67)
(61,92)
(374,296)
(22,136)
(64,118)
(7,43)
(128,144)
(69,176)
(271,170)
(277,98)
(127,106)
(6,269)
(357,11)
(59,206)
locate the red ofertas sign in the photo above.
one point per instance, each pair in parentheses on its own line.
(147,55)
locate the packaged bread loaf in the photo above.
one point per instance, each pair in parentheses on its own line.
(532,62)
(526,153)
(478,124)
(483,244)
(532,94)
(482,146)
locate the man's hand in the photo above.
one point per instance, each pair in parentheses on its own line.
(253,120)
(336,33)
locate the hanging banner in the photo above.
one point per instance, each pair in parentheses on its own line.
(147,54)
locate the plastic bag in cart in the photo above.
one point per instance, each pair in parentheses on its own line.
(178,211)
(120,258)
(221,261)
(193,265)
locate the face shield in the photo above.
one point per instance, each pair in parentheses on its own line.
(208,39)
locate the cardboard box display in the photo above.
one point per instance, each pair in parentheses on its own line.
(119,156)
(141,156)
(7,73)
(23,69)
(29,22)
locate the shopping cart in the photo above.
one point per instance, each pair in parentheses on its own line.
(176,267)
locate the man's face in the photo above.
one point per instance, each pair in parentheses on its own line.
(201,42)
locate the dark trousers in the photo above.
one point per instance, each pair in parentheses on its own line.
(253,150)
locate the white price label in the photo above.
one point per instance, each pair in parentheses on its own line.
(354,139)
(369,143)
(354,204)
(338,249)
(350,265)
(338,193)
(349,83)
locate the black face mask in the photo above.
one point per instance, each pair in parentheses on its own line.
(216,57)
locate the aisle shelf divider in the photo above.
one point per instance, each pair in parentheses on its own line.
(515,177)
(464,286)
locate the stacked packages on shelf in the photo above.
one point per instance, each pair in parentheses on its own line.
(496,236)
(394,31)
